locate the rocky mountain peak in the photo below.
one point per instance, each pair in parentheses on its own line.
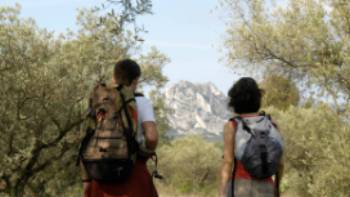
(196,109)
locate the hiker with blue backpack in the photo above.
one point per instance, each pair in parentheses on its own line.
(253,146)
(121,136)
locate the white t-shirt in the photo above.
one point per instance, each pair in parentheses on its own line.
(145,113)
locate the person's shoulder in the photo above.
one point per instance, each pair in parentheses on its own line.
(229,125)
(229,130)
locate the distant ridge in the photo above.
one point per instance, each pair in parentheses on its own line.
(196,109)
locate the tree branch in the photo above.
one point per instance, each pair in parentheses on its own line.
(10,143)
(38,148)
(62,134)
(48,162)
(52,118)
(282,59)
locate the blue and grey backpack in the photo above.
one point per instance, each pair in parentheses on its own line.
(258,145)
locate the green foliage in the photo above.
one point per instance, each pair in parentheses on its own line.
(304,38)
(191,165)
(126,15)
(317,156)
(153,63)
(279,92)
(45,82)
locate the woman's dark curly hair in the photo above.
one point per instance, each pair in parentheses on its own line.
(245,96)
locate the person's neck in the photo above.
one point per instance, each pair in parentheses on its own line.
(130,86)
(249,114)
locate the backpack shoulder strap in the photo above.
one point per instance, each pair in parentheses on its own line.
(238,118)
(130,131)
(124,106)
(268,116)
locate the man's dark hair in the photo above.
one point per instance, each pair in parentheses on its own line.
(245,96)
(125,71)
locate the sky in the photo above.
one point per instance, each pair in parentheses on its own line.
(189,32)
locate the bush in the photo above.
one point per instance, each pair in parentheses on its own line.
(190,165)
(279,92)
(317,153)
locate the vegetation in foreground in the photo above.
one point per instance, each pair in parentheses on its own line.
(45,79)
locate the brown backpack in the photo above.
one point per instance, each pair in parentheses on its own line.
(108,151)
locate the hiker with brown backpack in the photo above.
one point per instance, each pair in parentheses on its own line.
(253,146)
(121,136)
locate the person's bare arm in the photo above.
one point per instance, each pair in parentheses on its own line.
(226,169)
(151,135)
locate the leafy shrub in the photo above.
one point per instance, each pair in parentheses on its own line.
(190,164)
(317,153)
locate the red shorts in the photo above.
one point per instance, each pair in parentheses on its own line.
(139,183)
